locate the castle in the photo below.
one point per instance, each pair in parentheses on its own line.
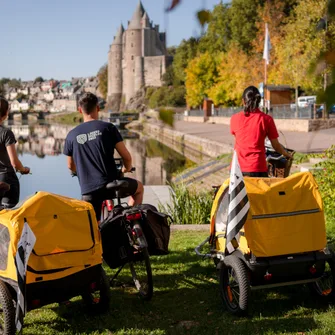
(137,58)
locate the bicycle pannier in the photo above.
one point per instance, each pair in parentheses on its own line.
(156,228)
(116,250)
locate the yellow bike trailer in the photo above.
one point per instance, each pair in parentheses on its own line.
(283,241)
(66,260)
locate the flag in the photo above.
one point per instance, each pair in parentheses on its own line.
(174,3)
(238,207)
(267,45)
(24,249)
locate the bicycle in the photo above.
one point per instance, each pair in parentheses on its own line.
(134,250)
(278,165)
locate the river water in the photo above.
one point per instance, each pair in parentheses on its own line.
(40,146)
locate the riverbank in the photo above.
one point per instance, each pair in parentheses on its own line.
(66,118)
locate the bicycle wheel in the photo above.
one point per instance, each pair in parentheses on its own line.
(234,285)
(97,297)
(324,288)
(7,311)
(142,274)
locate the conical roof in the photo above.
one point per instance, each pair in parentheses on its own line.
(119,34)
(146,20)
(135,22)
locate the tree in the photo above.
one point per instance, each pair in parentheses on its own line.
(300,47)
(237,70)
(103,80)
(201,75)
(2,90)
(186,51)
(218,34)
(14,83)
(39,80)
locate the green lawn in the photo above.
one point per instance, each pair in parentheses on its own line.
(186,301)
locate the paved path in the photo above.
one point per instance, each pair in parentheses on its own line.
(299,141)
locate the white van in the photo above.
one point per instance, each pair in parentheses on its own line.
(306,101)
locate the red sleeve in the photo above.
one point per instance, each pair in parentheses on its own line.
(232,125)
(271,130)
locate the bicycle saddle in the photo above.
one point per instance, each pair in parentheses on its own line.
(116,185)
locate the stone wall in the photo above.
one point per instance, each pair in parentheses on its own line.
(301,125)
(65,105)
(201,145)
(154,68)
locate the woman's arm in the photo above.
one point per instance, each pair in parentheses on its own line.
(70,164)
(125,155)
(279,148)
(14,160)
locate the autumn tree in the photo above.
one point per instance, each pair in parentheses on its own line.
(201,76)
(236,71)
(103,80)
(300,47)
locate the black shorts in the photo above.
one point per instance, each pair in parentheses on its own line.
(97,197)
(10,198)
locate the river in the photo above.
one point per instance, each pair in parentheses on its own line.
(40,146)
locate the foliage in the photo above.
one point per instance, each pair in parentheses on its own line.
(186,51)
(21,97)
(201,75)
(237,70)
(300,46)
(168,76)
(326,181)
(172,96)
(15,83)
(188,206)
(167,116)
(2,90)
(39,80)
(69,119)
(103,80)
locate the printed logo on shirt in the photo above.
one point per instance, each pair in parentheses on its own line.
(83,138)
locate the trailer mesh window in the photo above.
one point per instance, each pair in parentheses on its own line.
(4,245)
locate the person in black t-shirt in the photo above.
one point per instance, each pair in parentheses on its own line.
(9,162)
(90,149)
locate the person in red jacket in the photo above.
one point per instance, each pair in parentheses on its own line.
(250,128)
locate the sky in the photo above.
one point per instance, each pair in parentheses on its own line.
(62,39)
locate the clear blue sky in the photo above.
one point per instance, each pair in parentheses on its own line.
(70,38)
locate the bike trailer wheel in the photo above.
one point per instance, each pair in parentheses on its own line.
(324,288)
(7,311)
(142,274)
(97,295)
(234,285)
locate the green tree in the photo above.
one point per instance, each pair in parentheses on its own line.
(2,90)
(186,51)
(14,83)
(39,80)
(300,47)
(218,34)
(103,80)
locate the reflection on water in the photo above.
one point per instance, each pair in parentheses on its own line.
(40,146)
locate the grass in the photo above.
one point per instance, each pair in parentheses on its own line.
(70,119)
(186,301)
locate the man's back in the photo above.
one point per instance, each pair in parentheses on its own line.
(92,145)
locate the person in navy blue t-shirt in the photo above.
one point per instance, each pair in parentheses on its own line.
(90,150)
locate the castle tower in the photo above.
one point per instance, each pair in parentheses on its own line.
(115,77)
(133,50)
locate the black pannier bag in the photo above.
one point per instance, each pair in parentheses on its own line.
(156,228)
(116,250)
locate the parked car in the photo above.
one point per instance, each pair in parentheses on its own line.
(330,111)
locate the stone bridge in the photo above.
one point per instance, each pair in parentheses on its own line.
(25,115)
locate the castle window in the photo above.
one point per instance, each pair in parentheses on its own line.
(132,45)
(133,70)
(132,57)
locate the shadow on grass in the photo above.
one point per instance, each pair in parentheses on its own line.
(187,301)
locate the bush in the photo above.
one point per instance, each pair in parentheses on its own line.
(326,181)
(166,96)
(188,206)
(167,116)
